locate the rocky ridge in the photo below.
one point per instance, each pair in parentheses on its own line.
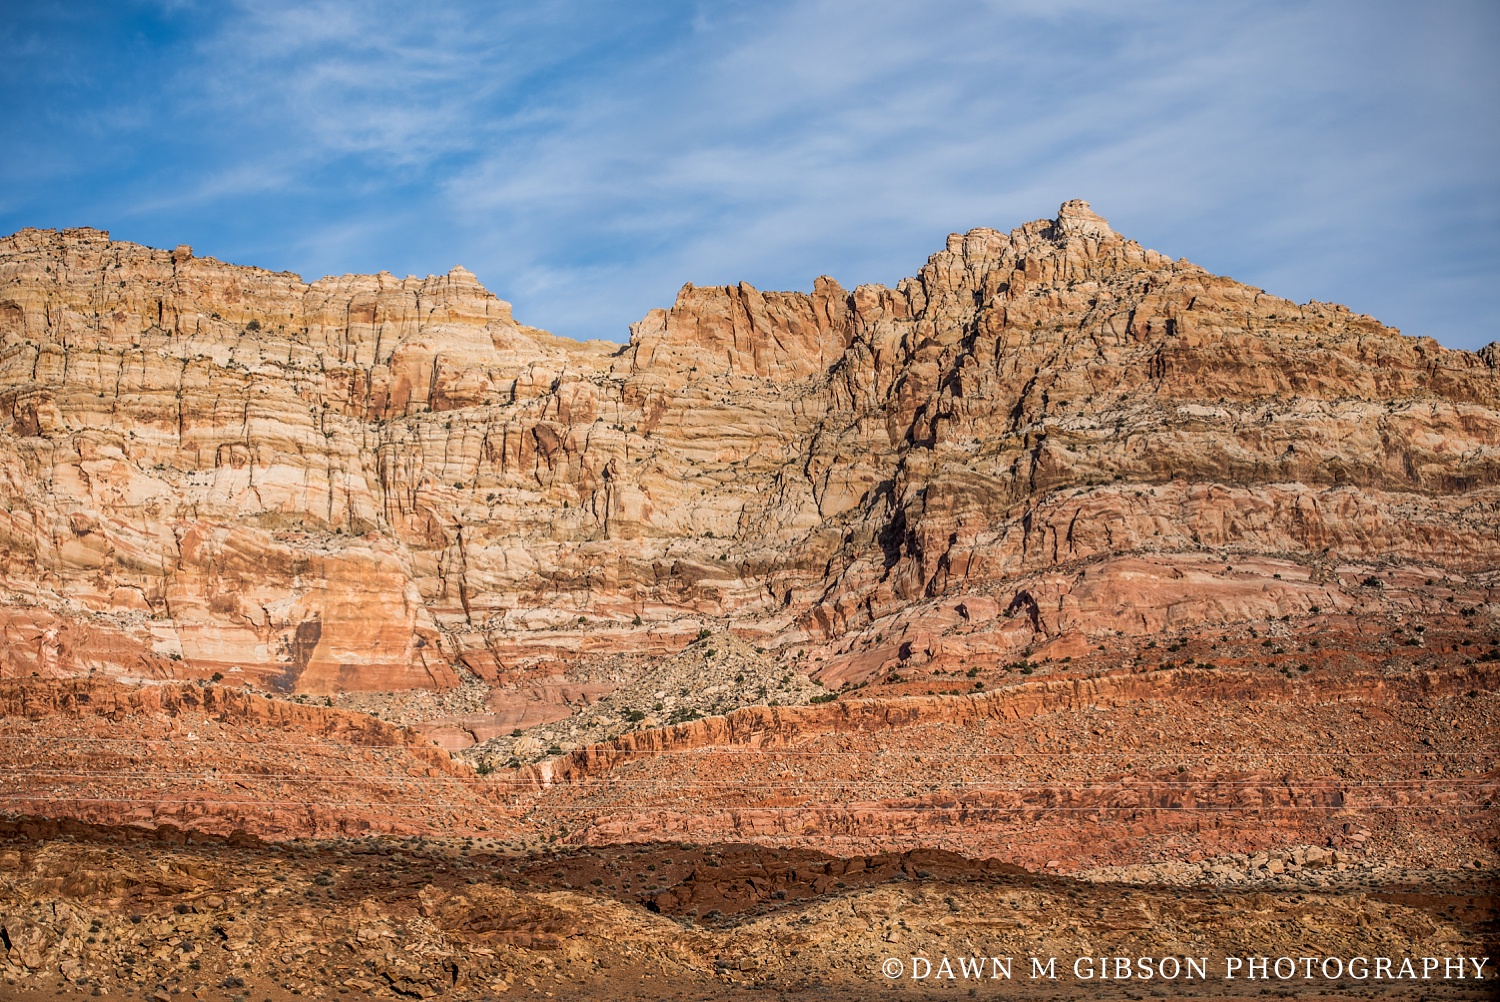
(357,483)
(1063,597)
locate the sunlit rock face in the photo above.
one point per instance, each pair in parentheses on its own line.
(1044,437)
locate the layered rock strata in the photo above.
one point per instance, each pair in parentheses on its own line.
(357,483)
(1171,758)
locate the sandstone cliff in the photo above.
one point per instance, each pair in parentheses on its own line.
(1047,437)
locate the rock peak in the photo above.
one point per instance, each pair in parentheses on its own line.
(1075,218)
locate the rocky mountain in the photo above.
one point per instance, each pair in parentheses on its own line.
(1045,438)
(804,631)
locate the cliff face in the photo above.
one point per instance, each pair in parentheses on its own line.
(1045,437)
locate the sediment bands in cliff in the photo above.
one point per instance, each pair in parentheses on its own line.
(357,483)
(760,727)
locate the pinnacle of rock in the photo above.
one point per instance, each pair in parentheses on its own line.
(1076,219)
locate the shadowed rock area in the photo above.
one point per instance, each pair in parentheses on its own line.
(471,919)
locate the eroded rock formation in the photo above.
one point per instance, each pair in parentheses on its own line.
(1060,553)
(363,482)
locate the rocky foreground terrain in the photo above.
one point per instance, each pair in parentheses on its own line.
(363,640)
(165,914)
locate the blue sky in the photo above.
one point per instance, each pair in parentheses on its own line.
(586,159)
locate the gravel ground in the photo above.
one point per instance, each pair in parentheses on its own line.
(715,674)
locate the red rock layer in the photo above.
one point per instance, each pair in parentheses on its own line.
(1156,762)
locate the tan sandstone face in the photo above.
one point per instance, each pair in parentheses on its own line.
(1046,436)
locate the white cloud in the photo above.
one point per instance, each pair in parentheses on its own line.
(587,158)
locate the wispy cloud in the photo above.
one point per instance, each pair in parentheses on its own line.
(587,158)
